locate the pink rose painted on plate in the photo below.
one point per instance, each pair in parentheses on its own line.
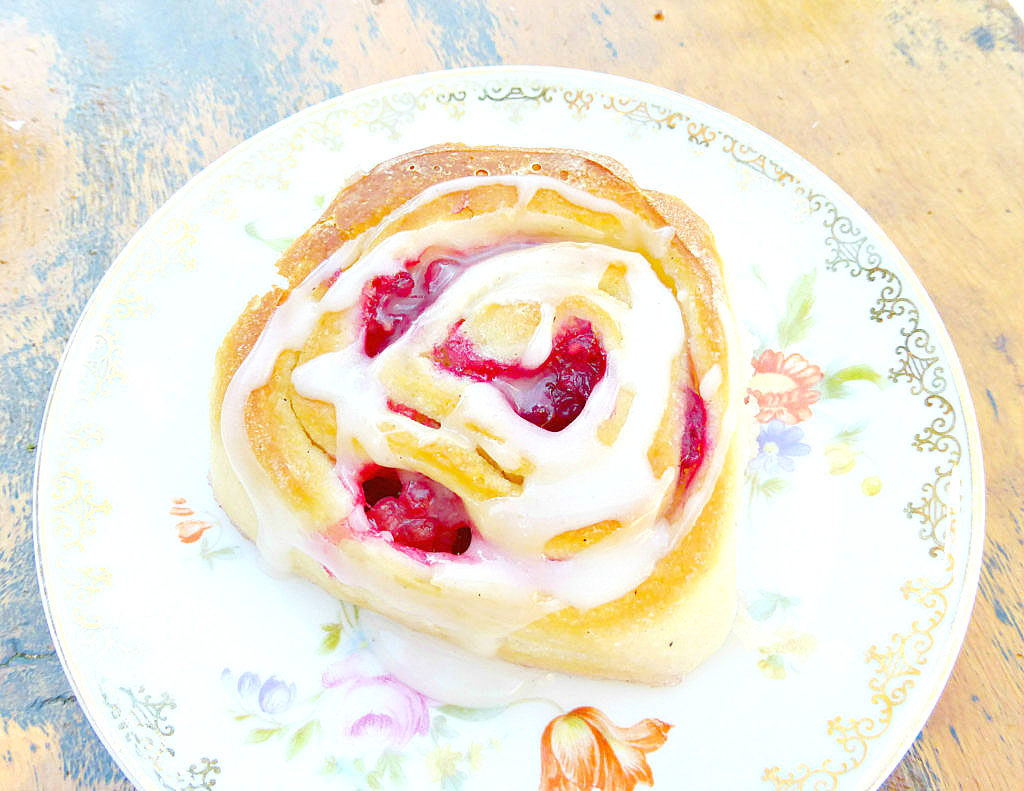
(378,708)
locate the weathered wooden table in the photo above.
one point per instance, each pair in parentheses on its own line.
(916,109)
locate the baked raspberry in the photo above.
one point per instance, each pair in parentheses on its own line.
(551,396)
(418,512)
(694,440)
(392,302)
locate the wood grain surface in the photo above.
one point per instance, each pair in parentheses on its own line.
(914,107)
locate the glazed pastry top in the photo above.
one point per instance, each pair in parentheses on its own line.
(512,348)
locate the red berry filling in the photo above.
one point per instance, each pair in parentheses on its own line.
(391,303)
(551,396)
(418,512)
(694,440)
(413,414)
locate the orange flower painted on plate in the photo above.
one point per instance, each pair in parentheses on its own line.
(189,530)
(783,386)
(583,750)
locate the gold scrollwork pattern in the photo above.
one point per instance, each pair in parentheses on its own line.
(516,98)
(389,113)
(129,304)
(81,589)
(82,436)
(579,102)
(271,167)
(503,92)
(142,720)
(643,113)
(755,160)
(700,133)
(102,367)
(454,101)
(173,244)
(896,670)
(76,508)
(654,116)
(918,366)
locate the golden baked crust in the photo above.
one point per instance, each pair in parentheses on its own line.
(683,609)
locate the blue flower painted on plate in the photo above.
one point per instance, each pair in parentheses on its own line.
(777,446)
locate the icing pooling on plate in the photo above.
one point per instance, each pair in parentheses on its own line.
(575,479)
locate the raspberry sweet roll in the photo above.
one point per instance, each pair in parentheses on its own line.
(499,401)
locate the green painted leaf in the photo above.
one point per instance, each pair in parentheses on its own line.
(470,714)
(240,717)
(301,738)
(797,321)
(850,434)
(834,385)
(390,763)
(772,486)
(257,735)
(222,552)
(351,615)
(395,771)
(763,608)
(280,244)
(440,727)
(453,782)
(331,638)
(319,200)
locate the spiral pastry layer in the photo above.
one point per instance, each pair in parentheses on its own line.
(499,400)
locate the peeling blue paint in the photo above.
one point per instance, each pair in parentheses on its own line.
(904,49)
(992,401)
(983,38)
(374,28)
(159,62)
(464,31)
(952,732)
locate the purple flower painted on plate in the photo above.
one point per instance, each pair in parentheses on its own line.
(377,708)
(777,446)
(248,685)
(275,696)
(272,696)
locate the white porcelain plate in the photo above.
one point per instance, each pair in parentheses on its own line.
(859,557)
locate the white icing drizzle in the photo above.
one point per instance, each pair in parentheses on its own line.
(280,529)
(576,480)
(710,382)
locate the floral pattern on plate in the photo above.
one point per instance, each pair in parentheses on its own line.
(852,614)
(367,725)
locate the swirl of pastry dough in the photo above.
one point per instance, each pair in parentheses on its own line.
(498,386)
